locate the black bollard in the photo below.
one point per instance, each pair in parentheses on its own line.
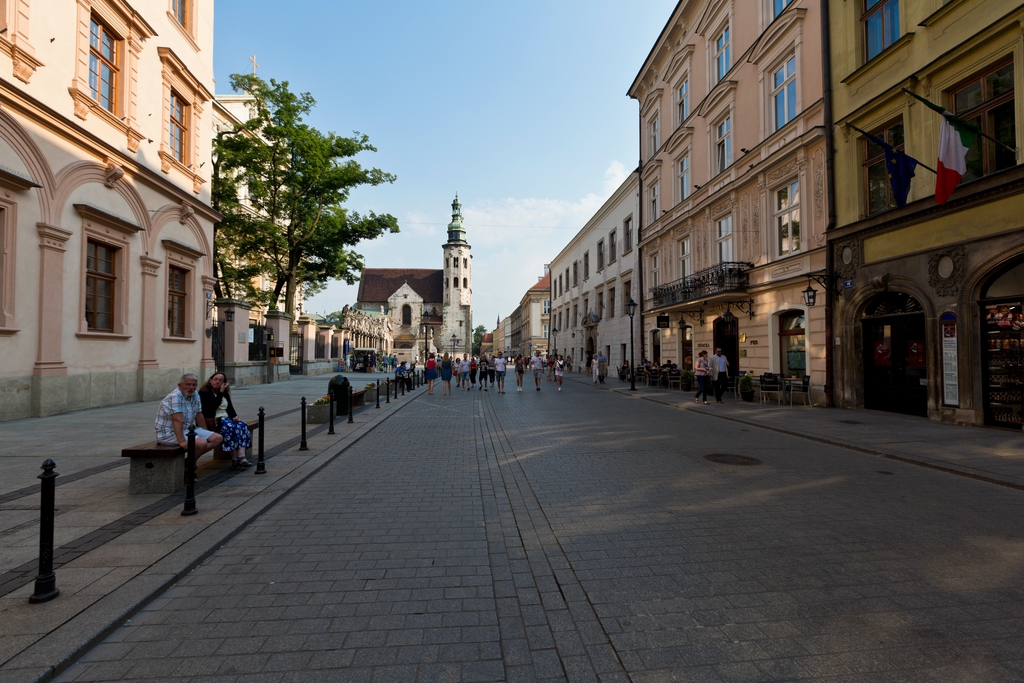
(190,474)
(261,466)
(46,582)
(330,413)
(396,388)
(404,379)
(351,402)
(378,394)
(302,441)
(387,389)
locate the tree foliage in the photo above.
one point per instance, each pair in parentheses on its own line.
(478,338)
(281,185)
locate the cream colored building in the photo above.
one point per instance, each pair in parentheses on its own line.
(591,281)
(105,225)
(733,199)
(534,309)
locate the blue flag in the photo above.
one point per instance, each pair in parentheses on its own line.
(899,166)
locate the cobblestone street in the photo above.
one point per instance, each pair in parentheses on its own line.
(584,536)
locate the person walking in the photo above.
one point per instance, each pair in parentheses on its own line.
(551,368)
(520,371)
(499,373)
(446,376)
(431,374)
(559,371)
(595,369)
(472,373)
(538,368)
(484,367)
(492,369)
(720,371)
(602,366)
(701,372)
(464,372)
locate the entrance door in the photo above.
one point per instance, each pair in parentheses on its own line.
(295,354)
(727,338)
(895,375)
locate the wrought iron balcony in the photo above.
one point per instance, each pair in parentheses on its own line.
(718,279)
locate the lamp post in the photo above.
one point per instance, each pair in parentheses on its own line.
(631,311)
(455,340)
(423,329)
(554,336)
(810,294)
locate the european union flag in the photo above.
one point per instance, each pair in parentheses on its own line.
(898,166)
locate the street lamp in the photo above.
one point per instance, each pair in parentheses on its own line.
(554,336)
(455,340)
(810,294)
(631,311)
(423,329)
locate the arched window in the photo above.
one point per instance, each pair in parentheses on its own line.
(407,314)
(792,344)
(455,282)
(465,282)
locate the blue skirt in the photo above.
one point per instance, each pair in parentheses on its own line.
(431,374)
(236,434)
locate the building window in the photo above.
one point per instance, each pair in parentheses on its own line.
(180,10)
(586,265)
(560,285)
(881,22)
(684,257)
(103,70)
(778,6)
(546,306)
(465,263)
(567,278)
(627,236)
(176,296)
(612,246)
(724,240)
(455,282)
(787,218)
(407,314)
(575,273)
(655,271)
(987,103)
(465,283)
(879,189)
(684,177)
(792,345)
(600,255)
(575,314)
(723,61)
(655,141)
(448,263)
(683,101)
(600,304)
(100,284)
(611,302)
(178,127)
(627,295)
(723,143)
(547,332)
(652,194)
(784,92)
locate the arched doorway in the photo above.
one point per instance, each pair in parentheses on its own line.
(792,344)
(656,347)
(685,346)
(591,345)
(1002,320)
(895,367)
(727,338)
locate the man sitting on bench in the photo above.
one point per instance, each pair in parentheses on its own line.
(178,412)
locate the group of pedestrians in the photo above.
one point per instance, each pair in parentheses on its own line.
(714,371)
(485,372)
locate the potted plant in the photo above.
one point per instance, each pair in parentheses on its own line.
(686,380)
(319,411)
(747,388)
(371,393)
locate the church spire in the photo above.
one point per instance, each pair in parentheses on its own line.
(456,231)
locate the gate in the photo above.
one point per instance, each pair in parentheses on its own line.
(258,343)
(217,337)
(295,354)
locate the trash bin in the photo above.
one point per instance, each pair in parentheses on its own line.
(338,388)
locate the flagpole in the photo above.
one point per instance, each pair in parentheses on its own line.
(867,134)
(977,131)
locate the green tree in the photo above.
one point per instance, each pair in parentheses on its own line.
(292,225)
(478,338)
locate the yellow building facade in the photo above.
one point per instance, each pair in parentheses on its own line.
(928,316)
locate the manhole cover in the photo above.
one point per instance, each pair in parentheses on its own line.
(732,459)
(851,422)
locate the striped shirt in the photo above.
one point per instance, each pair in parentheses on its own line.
(176,402)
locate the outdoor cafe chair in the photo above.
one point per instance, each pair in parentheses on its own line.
(803,387)
(771,384)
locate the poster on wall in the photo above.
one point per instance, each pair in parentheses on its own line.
(950,370)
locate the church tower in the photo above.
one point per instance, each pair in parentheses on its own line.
(458,286)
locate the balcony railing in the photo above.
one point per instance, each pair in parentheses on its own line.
(718,279)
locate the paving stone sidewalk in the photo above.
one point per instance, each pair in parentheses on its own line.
(990,454)
(585,536)
(112,548)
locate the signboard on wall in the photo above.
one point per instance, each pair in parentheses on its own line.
(950,369)
(664,322)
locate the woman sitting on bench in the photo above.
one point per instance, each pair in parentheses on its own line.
(220,415)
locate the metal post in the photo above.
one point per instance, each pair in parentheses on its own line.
(190,474)
(351,401)
(302,441)
(261,467)
(632,360)
(387,389)
(378,394)
(396,388)
(330,412)
(403,386)
(46,582)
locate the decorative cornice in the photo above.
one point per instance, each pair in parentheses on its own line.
(15,181)
(178,68)
(52,237)
(93,213)
(776,32)
(171,245)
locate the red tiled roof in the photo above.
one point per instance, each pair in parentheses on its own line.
(544,283)
(488,337)
(377,284)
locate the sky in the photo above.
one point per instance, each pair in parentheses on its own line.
(519,107)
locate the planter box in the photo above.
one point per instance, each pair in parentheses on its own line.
(317,414)
(747,396)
